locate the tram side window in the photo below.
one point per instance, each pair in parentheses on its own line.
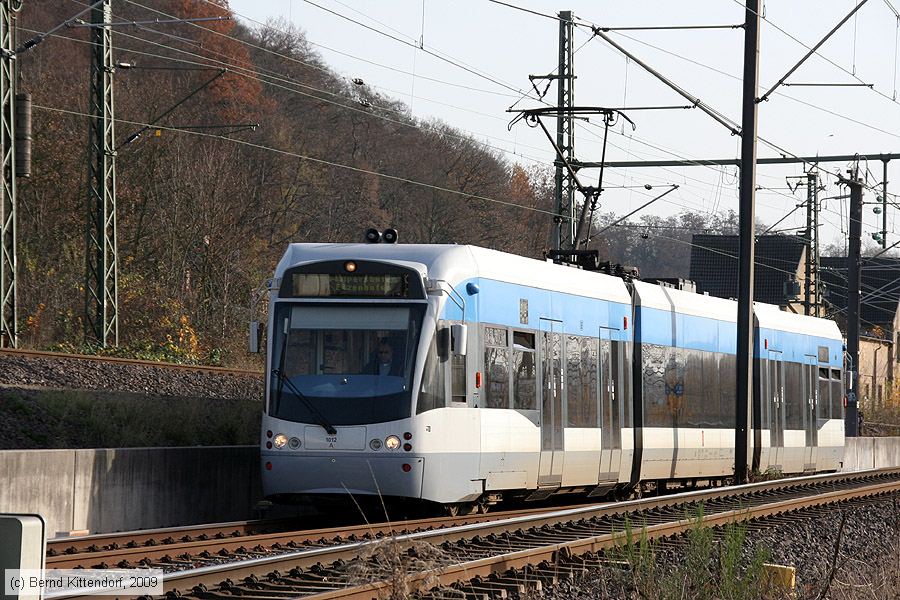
(581,386)
(627,396)
(621,373)
(794,399)
(727,389)
(458,378)
(709,390)
(694,411)
(658,364)
(589,359)
(606,387)
(496,367)
(431,395)
(837,395)
(524,377)
(824,405)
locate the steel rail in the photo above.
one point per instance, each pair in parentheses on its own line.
(497,565)
(154,545)
(764,496)
(129,361)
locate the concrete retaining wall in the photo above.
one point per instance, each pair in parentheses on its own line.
(871,453)
(121,489)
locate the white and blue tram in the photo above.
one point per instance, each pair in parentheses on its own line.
(512,377)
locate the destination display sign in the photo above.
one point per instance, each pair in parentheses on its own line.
(349,285)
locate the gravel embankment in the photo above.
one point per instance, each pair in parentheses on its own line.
(82,374)
(867,566)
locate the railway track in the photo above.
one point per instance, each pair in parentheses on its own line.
(181,547)
(511,553)
(130,361)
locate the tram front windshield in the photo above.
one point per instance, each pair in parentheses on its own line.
(343,365)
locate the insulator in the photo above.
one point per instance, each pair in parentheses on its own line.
(23,135)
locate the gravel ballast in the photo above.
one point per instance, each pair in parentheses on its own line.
(867,566)
(86,374)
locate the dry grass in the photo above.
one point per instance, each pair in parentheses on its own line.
(407,567)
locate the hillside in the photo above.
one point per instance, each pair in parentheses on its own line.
(204,214)
(206,204)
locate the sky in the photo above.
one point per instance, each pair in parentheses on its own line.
(486,51)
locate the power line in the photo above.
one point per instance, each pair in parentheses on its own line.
(823,57)
(451,61)
(328,48)
(313,159)
(244,72)
(518,154)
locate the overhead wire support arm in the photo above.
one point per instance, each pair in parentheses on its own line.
(670,27)
(672,188)
(162,116)
(812,51)
(78,23)
(590,194)
(868,85)
(31,43)
(559,153)
(733,127)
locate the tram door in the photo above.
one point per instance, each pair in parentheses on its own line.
(610,422)
(552,386)
(775,401)
(810,424)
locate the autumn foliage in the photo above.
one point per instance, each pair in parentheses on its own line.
(204,213)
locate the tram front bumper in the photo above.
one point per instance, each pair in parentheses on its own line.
(399,476)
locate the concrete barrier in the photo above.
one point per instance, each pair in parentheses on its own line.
(120,489)
(871,453)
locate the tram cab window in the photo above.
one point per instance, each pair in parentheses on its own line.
(343,364)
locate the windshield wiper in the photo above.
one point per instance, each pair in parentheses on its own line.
(321,420)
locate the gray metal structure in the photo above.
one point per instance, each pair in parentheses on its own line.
(101,324)
(884,196)
(851,423)
(8,308)
(564,225)
(747,210)
(812,293)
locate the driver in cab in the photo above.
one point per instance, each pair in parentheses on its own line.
(384,361)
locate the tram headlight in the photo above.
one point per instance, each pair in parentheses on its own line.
(392,442)
(280,440)
(375,444)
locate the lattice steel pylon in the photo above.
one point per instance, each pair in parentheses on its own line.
(101,289)
(564,225)
(8,311)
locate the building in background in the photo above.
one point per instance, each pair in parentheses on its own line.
(779,278)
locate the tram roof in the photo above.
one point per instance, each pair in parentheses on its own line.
(768,316)
(457,263)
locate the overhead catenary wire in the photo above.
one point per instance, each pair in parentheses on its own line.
(424,49)
(135,3)
(312,159)
(350,107)
(249,73)
(705,183)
